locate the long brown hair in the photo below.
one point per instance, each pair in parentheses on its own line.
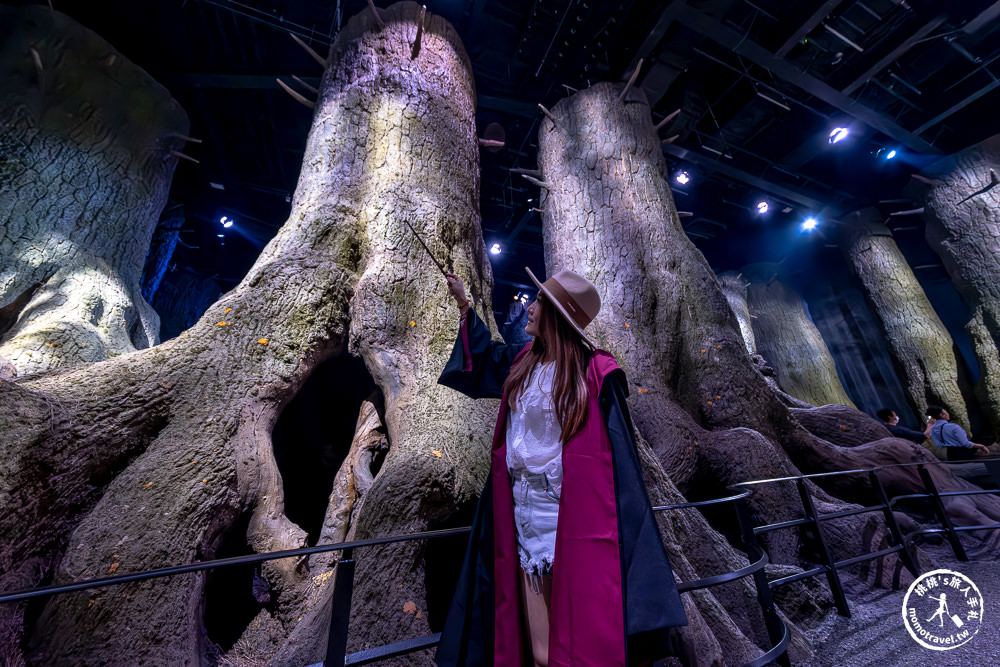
(572,358)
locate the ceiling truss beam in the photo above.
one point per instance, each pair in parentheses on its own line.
(738,44)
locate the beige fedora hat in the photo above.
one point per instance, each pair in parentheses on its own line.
(574,296)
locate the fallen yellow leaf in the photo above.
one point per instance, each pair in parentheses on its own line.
(147,485)
(412,323)
(48,345)
(222,324)
(113,568)
(229,310)
(437,452)
(410,608)
(262,341)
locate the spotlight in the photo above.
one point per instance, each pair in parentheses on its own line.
(517,297)
(495,249)
(890,155)
(227,224)
(762,207)
(221,236)
(682,177)
(524,299)
(839,134)
(809,225)
(223,219)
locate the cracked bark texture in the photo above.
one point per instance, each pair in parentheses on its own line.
(85,169)
(789,340)
(697,399)
(966,235)
(150,458)
(920,344)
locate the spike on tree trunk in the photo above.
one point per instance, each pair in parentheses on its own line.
(963,227)
(789,340)
(85,140)
(918,340)
(152,458)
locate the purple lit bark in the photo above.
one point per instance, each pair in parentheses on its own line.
(85,168)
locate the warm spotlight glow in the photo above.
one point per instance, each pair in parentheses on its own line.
(809,225)
(839,134)
(495,249)
(682,177)
(762,207)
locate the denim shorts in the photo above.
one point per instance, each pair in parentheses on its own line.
(536,515)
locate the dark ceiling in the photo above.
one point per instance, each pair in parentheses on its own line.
(759,85)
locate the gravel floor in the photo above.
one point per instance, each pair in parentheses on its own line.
(875,634)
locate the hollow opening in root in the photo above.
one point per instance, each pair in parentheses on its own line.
(313,437)
(233,595)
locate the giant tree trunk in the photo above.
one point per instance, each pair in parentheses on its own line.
(789,340)
(85,166)
(963,227)
(157,457)
(150,459)
(696,396)
(920,344)
(735,289)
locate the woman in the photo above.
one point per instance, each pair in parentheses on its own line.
(565,565)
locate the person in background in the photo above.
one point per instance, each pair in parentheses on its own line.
(891,421)
(952,437)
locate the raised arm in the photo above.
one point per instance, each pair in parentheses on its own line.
(478,365)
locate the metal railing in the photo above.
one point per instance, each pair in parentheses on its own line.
(778,631)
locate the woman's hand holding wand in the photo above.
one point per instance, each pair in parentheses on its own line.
(457,289)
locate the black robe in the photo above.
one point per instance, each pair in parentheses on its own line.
(652,604)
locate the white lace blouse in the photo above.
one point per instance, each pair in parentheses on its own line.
(533,431)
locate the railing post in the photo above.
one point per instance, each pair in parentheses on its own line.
(949,529)
(890,520)
(775,626)
(832,576)
(340,614)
